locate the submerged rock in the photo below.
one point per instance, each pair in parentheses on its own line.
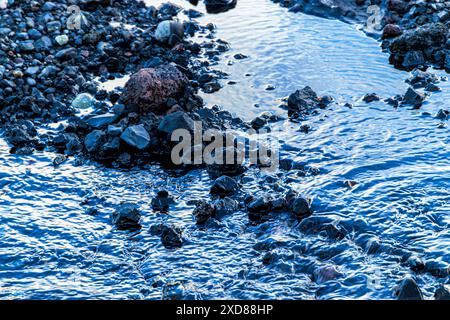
(325,273)
(225,206)
(442,114)
(126,216)
(371,97)
(150,88)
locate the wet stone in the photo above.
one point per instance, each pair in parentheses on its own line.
(408,290)
(162,201)
(442,292)
(93,140)
(203,211)
(171,236)
(126,216)
(224,186)
(136,136)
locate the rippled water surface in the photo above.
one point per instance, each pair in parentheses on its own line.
(55,246)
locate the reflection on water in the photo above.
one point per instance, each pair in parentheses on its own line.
(57,240)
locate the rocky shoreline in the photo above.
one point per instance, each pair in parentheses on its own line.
(414,32)
(50,74)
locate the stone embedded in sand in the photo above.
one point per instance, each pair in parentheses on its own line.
(149,88)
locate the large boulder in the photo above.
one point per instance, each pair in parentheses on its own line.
(149,88)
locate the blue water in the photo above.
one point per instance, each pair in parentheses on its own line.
(54,247)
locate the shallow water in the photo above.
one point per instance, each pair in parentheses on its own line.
(53,247)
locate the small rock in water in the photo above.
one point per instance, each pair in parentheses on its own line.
(83,101)
(59,159)
(408,290)
(371,97)
(171,236)
(442,114)
(442,292)
(203,211)
(162,201)
(126,216)
(413,98)
(136,136)
(301,207)
(240,56)
(62,40)
(224,186)
(303,100)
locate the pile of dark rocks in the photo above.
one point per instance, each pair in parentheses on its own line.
(49,71)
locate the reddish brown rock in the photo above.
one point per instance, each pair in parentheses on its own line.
(391,31)
(398,6)
(149,89)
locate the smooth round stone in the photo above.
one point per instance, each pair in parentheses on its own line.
(62,39)
(31,82)
(83,101)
